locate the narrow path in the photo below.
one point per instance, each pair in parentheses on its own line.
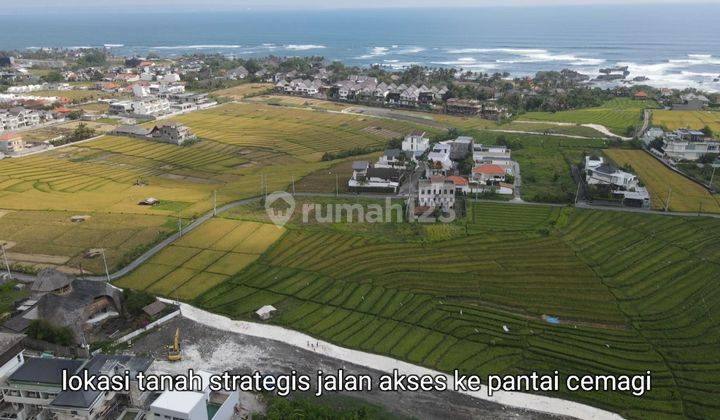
(199,221)
(388,365)
(597,127)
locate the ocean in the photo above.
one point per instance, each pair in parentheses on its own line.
(673,45)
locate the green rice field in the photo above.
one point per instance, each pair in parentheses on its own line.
(618,115)
(633,292)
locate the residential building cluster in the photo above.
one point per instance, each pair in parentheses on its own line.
(19,118)
(368,90)
(682,145)
(147,104)
(31,387)
(439,167)
(620,184)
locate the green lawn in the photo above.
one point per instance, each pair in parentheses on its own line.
(619,115)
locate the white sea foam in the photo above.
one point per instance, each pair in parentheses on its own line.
(530,55)
(195,47)
(375,52)
(303,47)
(678,73)
(410,50)
(114,45)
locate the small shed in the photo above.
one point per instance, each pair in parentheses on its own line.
(150,201)
(153,309)
(265,312)
(93,253)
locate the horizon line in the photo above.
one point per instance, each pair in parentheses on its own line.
(230,8)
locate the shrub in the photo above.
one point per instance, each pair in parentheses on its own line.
(41,329)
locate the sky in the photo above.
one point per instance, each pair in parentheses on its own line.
(16,6)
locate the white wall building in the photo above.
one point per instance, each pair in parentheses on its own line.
(195,405)
(416,142)
(688,145)
(436,192)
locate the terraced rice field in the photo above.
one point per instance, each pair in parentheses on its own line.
(633,292)
(686,195)
(203,259)
(48,238)
(305,134)
(696,120)
(617,115)
(241,144)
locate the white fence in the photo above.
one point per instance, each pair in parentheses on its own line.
(148,327)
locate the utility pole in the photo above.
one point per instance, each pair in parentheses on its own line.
(337,185)
(713,175)
(667,203)
(107,272)
(179,224)
(293,184)
(5,260)
(214,202)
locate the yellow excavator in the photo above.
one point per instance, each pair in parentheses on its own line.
(174,353)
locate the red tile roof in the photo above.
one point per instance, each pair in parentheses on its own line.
(10,136)
(489,170)
(458,180)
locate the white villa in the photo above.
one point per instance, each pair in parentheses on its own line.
(416,143)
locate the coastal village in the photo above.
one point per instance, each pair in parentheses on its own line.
(194,145)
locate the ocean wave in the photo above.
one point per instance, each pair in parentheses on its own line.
(410,50)
(114,45)
(303,47)
(375,52)
(676,73)
(196,47)
(531,55)
(519,51)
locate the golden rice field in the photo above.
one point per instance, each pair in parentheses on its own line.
(49,238)
(243,90)
(204,258)
(302,133)
(696,120)
(686,195)
(240,143)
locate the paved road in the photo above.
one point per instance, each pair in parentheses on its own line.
(197,222)
(647,114)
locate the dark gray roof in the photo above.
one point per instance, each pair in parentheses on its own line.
(383,173)
(360,165)
(133,130)
(154,308)
(18,323)
(101,363)
(68,310)
(44,371)
(393,153)
(606,169)
(50,279)
(9,340)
